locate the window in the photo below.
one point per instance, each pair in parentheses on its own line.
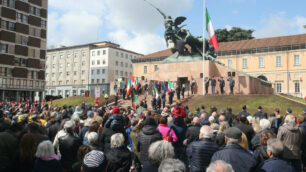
(93,53)
(230,63)
(53,66)
(54,58)
(103,61)
(117,53)
(35,11)
(61,65)
(126,56)
(83,54)
(68,64)
(7,25)
(43,24)
(104,52)
(278,61)
(103,71)
(68,56)
(98,52)
(244,63)
(8,3)
(61,56)
(278,87)
(145,68)
(261,62)
(60,74)
(83,63)
(75,73)
(92,81)
(121,64)
(21,18)
(131,65)
(296,60)
(98,81)
(92,72)
(116,72)
(93,62)
(98,62)
(121,55)
(75,55)
(103,80)
(117,63)
(4,48)
(126,65)
(83,72)
(126,74)
(155,67)
(53,74)
(98,71)
(67,73)
(297,87)
(121,73)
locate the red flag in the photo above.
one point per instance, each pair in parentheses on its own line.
(96,101)
(133,106)
(44,101)
(19,101)
(132,78)
(51,100)
(36,101)
(26,102)
(12,102)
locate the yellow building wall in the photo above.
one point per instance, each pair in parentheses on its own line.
(274,73)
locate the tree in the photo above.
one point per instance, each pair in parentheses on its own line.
(235,34)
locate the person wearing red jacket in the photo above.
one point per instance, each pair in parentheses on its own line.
(178,110)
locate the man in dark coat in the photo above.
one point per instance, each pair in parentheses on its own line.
(240,159)
(163,96)
(193,131)
(9,145)
(3,124)
(245,128)
(275,163)
(178,91)
(221,85)
(148,134)
(171,95)
(206,81)
(244,111)
(259,113)
(200,152)
(213,84)
(231,85)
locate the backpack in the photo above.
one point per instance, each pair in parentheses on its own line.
(167,138)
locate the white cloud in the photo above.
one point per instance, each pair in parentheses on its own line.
(134,24)
(228,27)
(140,42)
(280,25)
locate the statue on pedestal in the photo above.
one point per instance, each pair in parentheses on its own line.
(178,38)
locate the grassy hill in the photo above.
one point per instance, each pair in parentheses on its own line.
(77,100)
(269,103)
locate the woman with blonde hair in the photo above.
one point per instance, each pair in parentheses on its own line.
(220,138)
(244,142)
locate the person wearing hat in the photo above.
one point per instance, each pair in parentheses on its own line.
(240,159)
(259,113)
(94,161)
(244,111)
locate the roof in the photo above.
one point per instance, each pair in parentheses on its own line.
(263,43)
(162,53)
(92,46)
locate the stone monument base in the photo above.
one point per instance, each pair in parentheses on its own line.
(184,71)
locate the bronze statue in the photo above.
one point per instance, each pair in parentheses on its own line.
(177,37)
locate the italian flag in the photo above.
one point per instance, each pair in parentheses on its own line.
(155,90)
(136,83)
(211,33)
(129,87)
(135,98)
(170,86)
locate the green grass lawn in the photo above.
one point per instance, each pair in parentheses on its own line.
(296,98)
(269,103)
(77,100)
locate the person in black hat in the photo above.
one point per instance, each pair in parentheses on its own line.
(240,159)
(244,111)
(259,113)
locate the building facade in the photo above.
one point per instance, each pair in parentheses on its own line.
(71,71)
(278,60)
(23,49)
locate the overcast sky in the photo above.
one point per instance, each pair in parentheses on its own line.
(137,26)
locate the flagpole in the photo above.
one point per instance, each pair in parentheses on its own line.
(203,54)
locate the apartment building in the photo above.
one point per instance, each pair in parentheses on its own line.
(70,71)
(22,49)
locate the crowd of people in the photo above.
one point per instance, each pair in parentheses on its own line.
(42,138)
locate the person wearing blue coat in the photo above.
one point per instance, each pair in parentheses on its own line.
(274,164)
(200,152)
(240,159)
